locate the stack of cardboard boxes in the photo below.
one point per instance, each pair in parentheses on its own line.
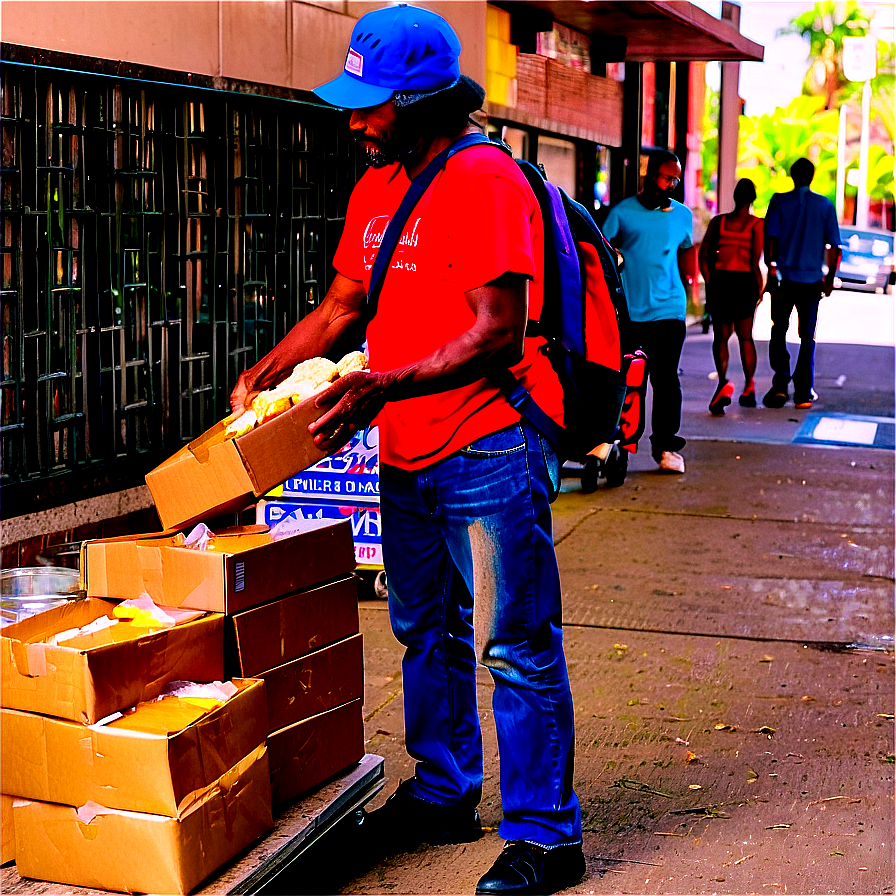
(114,789)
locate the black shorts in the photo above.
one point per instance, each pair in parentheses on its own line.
(732,296)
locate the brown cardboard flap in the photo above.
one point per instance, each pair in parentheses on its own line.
(314,683)
(307,753)
(142,853)
(280,448)
(127,765)
(284,630)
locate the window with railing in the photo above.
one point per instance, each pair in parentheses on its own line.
(156,241)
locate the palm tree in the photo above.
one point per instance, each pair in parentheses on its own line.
(825,25)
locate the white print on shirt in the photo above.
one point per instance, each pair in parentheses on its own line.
(373,238)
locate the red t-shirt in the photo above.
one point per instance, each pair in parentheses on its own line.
(479,219)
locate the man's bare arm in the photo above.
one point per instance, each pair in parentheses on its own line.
(340,313)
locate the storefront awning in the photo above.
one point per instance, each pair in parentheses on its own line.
(664,30)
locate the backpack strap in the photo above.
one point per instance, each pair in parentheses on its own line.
(517,395)
(397,224)
(521,401)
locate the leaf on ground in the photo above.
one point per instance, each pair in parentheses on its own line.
(751,775)
(620,647)
(886,715)
(702,811)
(766,658)
(766,729)
(721,726)
(690,757)
(777,827)
(629,784)
(695,787)
(808,699)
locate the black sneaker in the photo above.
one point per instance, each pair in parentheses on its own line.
(775,398)
(525,868)
(403,822)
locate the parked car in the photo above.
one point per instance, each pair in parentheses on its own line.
(868,260)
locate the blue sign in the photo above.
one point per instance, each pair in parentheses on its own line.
(352,475)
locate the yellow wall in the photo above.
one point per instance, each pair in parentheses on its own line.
(281,42)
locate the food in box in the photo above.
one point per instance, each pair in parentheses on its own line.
(114,849)
(306,753)
(157,757)
(79,662)
(232,572)
(236,460)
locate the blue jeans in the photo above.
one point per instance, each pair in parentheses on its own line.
(662,340)
(805,298)
(473,578)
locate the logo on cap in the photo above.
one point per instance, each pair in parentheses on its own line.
(354,63)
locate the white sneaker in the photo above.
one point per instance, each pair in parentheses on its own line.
(672,462)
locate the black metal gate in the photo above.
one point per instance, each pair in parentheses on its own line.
(157,240)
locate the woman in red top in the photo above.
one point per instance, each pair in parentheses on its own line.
(729,261)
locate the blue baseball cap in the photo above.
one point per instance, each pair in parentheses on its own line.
(395,49)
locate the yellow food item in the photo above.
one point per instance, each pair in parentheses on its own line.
(242,424)
(314,371)
(352,361)
(307,379)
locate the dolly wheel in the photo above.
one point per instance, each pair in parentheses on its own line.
(380,586)
(616,466)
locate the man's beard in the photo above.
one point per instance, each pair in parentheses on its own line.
(379,156)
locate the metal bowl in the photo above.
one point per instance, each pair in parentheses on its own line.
(30,590)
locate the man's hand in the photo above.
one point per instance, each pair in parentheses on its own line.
(352,403)
(243,393)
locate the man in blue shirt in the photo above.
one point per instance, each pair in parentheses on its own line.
(653,231)
(801,232)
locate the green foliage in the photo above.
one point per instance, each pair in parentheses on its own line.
(880,174)
(710,148)
(829,20)
(770,144)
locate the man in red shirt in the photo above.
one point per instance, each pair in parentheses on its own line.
(465,483)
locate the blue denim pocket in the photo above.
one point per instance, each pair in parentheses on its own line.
(504,441)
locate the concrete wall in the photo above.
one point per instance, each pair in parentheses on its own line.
(291,44)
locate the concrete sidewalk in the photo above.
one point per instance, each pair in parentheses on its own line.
(729,635)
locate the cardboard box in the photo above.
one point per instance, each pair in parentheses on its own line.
(87,683)
(214,475)
(265,637)
(284,516)
(305,754)
(315,683)
(7,831)
(235,573)
(143,853)
(162,773)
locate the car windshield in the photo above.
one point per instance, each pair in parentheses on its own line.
(865,242)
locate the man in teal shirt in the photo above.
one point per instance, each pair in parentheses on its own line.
(652,232)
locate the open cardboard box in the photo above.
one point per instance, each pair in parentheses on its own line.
(214,474)
(236,572)
(141,853)
(268,636)
(106,672)
(153,765)
(315,682)
(7,831)
(306,753)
